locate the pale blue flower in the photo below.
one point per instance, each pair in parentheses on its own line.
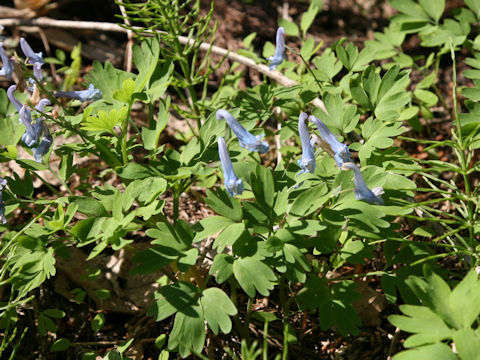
(10,94)
(44,146)
(7,67)
(83,95)
(25,118)
(362,192)
(32,56)
(307,162)
(3,183)
(330,144)
(39,127)
(279,54)
(246,140)
(36,59)
(233,184)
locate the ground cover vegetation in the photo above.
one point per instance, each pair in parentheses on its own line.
(286,218)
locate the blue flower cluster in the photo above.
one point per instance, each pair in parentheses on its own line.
(339,152)
(37,134)
(233,184)
(307,163)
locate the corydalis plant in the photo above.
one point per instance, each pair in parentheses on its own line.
(330,144)
(279,54)
(90,94)
(362,192)
(246,140)
(33,58)
(233,184)
(7,67)
(307,162)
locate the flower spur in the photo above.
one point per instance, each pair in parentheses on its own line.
(307,162)
(233,184)
(247,140)
(330,143)
(279,54)
(362,192)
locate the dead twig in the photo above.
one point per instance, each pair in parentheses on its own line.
(110,27)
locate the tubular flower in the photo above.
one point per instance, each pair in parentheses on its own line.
(247,140)
(233,184)
(307,162)
(3,183)
(84,95)
(362,192)
(279,54)
(330,144)
(36,59)
(39,127)
(25,118)
(7,68)
(44,146)
(18,105)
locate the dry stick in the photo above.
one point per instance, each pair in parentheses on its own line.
(104,26)
(128,50)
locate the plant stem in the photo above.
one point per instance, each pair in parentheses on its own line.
(125,135)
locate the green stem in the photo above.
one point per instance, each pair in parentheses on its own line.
(285,309)
(60,179)
(265,340)
(125,135)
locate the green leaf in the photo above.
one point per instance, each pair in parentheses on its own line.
(151,134)
(291,28)
(253,274)
(308,17)
(465,300)
(263,187)
(106,78)
(467,344)
(224,204)
(475,6)
(104,122)
(160,341)
(187,259)
(434,8)
(217,309)
(210,226)
(54,313)
(45,324)
(156,257)
(60,345)
(124,346)
(89,206)
(426,97)
(309,201)
(427,326)
(145,58)
(188,333)
(411,8)
(133,171)
(172,298)
(124,94)
(229,236)
(98,322)
(222,266)
(439,351)
(146,190)
(334,303)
